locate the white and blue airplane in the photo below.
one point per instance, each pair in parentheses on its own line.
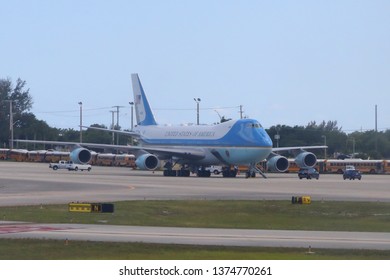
(196,147)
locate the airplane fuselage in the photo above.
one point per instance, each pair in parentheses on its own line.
(233,142)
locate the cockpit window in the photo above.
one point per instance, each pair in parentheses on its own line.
(254,125)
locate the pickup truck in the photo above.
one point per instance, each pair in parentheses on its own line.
(62,164)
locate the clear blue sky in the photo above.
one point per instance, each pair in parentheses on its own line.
(286,62)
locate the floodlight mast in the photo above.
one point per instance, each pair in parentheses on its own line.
(197,100)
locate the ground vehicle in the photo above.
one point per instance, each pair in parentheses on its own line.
(216,169)
(62,164)
(352,174)
(308,173)
(349,167)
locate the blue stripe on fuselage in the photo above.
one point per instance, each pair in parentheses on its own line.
(244,133)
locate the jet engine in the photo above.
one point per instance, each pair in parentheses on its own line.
(277,164)
(80,156)
(147,162)
(306,159)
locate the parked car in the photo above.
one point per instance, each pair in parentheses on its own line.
(352,174)
(349,167)
(308,173)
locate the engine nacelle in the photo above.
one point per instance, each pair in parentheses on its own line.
(277,164)
(147,162)
(306,160)
(80,155)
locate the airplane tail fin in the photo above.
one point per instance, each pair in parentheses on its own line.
(143,112)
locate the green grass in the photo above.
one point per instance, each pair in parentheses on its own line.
(30,249)
(329,216)
(334,216)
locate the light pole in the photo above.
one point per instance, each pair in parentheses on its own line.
(277,137)
(197,100)
(376,128)
(132,123)
(117,122)
(112,127)
(132,110)
(11,123)
(324,136)
(81,121)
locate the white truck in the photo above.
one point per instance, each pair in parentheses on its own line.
(215,169)
(62,164)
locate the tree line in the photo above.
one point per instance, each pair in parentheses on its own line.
(367,144)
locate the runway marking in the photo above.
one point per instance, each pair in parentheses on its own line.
(253,237)
(6,229)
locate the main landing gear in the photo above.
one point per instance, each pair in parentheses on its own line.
(177,173)
(202,172)
(169,172)
(228,172)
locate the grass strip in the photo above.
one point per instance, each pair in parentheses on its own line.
(31,249)
(277,215)
(319,215)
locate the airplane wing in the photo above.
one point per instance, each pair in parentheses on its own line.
(162,152)
(134,134)
(128,133)
(298,148)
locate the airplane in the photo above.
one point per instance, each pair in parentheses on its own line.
(194,148)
